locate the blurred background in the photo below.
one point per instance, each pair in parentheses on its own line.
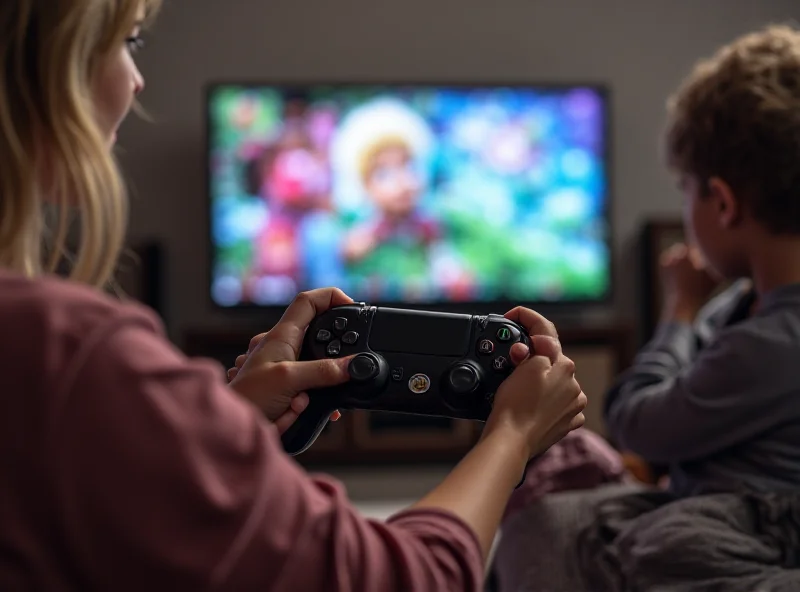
(637,51)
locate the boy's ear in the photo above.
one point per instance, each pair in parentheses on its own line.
(729,209)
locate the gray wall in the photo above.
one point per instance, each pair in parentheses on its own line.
(641,49)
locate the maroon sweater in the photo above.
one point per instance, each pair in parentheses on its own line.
(127,466)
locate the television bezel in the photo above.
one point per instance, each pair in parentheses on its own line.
(472,307)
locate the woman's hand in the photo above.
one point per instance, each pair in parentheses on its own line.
(541,402)
(534,407)
(269,374)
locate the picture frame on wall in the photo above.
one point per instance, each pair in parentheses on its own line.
(657,236)
(140,275)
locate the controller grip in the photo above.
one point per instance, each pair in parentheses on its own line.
(302,433)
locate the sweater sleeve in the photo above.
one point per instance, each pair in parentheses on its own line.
(166,476)
(671,350)
(677,405)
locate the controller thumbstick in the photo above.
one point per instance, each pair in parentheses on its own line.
(363,368)
(463,379)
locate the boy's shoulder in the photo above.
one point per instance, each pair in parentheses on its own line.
(716,314)
(769,338)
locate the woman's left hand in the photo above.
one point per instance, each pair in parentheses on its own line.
(270,376)
(297,404)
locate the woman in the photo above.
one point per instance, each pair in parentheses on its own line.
(127,466)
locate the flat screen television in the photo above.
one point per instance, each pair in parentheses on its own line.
(409,194)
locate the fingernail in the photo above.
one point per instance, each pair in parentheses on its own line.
(344,363)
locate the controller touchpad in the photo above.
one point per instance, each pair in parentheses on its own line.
(420,332)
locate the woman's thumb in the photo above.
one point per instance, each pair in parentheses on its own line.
(315,374)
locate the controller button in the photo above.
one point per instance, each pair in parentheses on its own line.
(419,383)
(324,336)
(397,374)
(486,347)
(504,334)
(334,348)
(463,379)
(339,324)
(500,363)
(363,368)
(350,337)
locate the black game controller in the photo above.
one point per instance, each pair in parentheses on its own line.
(406,361)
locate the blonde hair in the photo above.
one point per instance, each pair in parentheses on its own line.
(737,117)
(50,142)
(371,152)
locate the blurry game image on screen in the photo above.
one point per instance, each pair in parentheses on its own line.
(408,195)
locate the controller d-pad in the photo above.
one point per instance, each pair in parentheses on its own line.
(324,336)
(350,337)
(339,324)
(363,368)
(463,379)
(334,348)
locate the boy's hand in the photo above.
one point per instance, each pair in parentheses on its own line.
(688,283)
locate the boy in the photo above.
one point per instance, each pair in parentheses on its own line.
(716,394)
(718,403)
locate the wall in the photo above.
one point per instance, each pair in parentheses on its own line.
(640,49)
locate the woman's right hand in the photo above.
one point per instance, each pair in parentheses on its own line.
(536,406)
(541,402)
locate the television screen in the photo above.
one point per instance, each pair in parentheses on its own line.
(408,194)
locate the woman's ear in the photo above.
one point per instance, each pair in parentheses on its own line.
(727,205)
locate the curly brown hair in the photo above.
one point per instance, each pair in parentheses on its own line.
(737,117)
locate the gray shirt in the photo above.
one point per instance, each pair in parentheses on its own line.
(719,402)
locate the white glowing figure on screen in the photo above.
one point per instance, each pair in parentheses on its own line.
(379,155)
